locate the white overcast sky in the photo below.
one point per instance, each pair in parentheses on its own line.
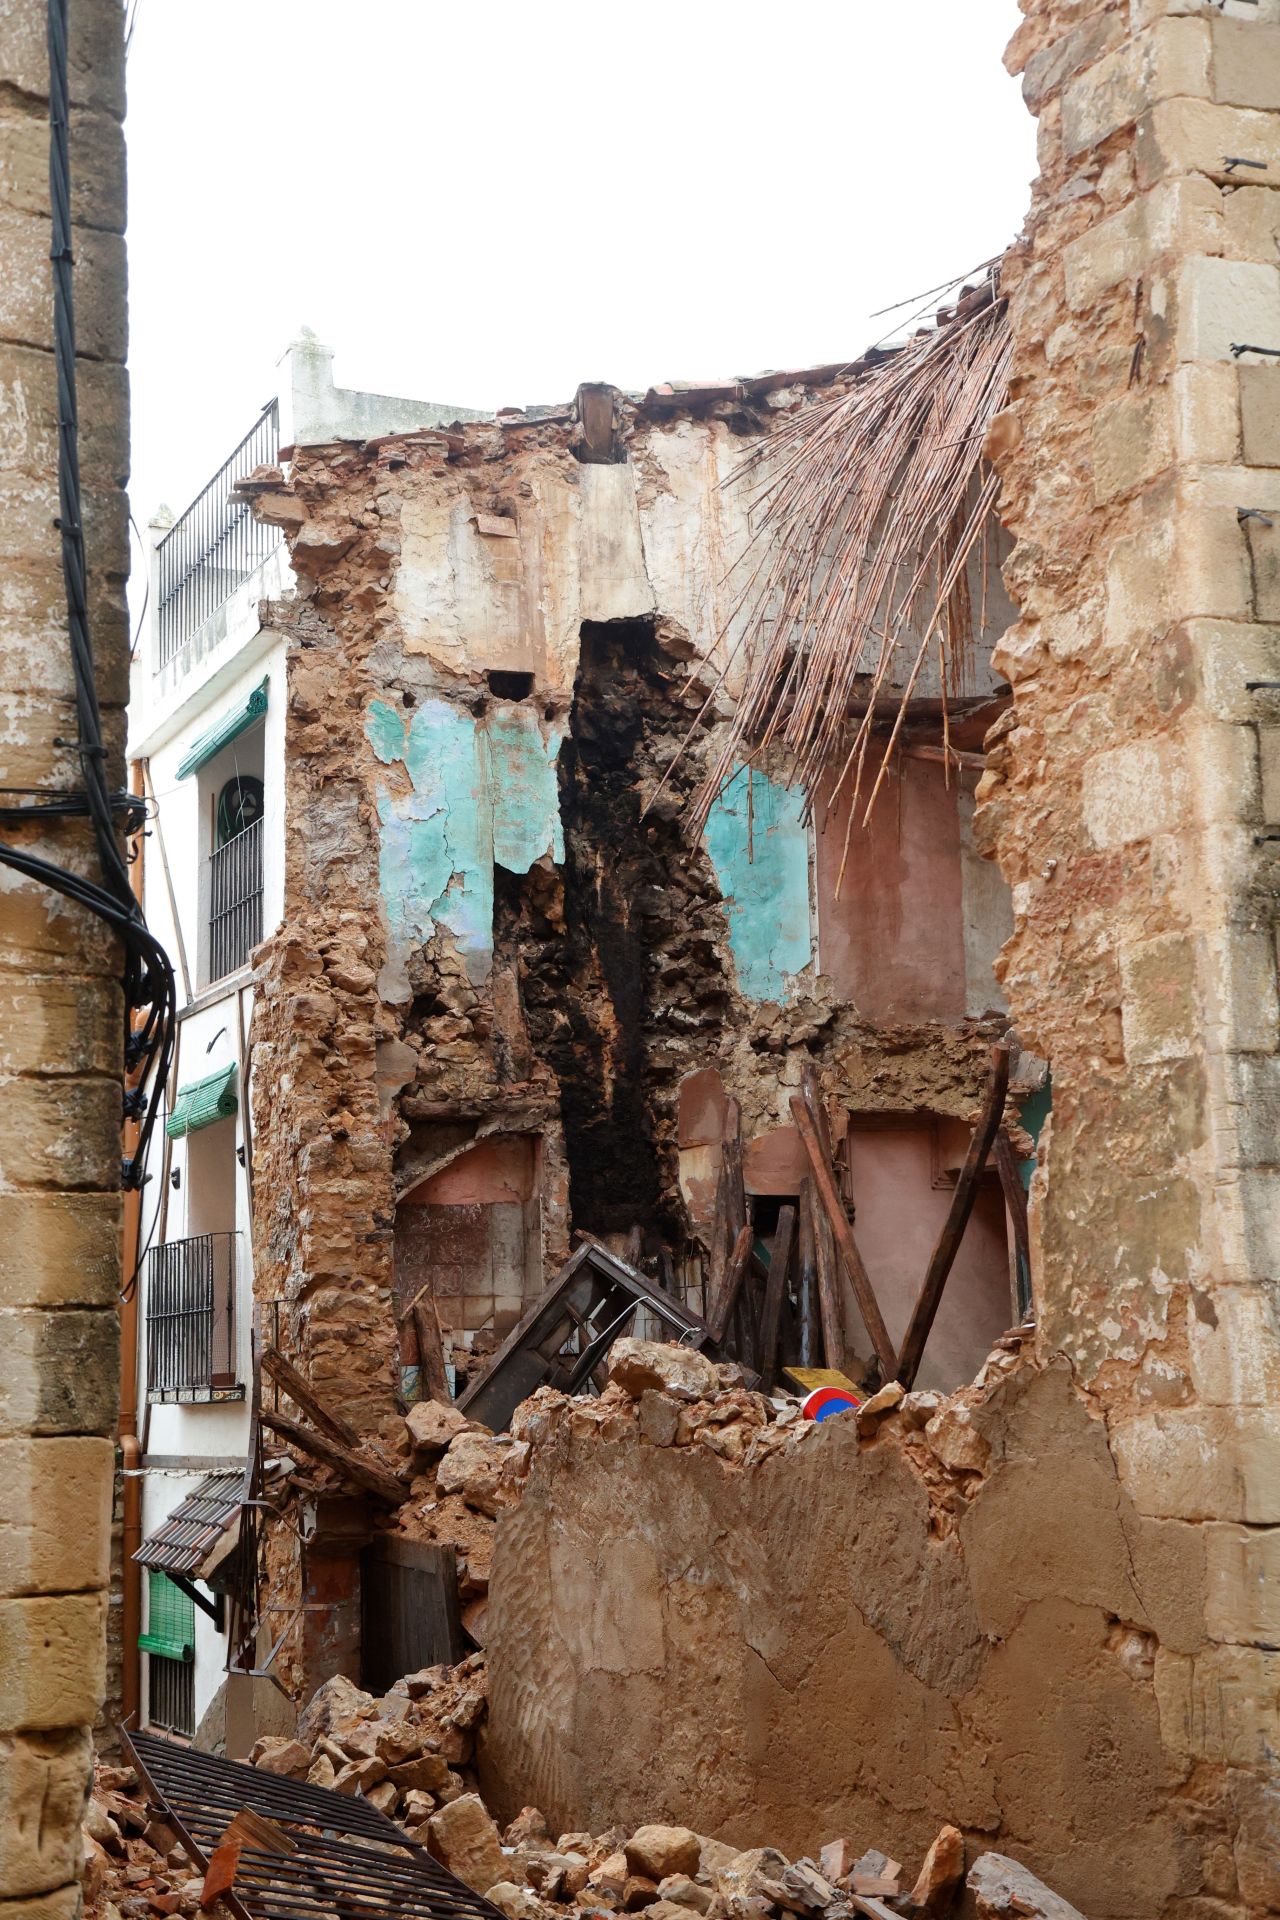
(488,203)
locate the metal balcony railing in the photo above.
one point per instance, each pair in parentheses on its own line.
(235,901)
(215,546)
(191,1316)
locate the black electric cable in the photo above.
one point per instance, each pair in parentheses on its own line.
(147,974)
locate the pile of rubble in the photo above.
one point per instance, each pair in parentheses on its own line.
(409,1755)
(134,1865)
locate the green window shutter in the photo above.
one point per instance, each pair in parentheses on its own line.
(203,1102)
(171,1620)
(224,731)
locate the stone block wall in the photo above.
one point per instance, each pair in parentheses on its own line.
(61,1017)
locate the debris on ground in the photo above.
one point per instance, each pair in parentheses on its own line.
(409,1753)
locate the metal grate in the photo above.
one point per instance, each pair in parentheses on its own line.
(235,901)
(216,544)
(191,1302)
(350,1859)
(171,1693)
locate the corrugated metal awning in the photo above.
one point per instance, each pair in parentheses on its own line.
(335,1855)
(224,731)
(203,1102)
(195,1528)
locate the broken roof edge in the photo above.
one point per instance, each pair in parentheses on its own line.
(315,413)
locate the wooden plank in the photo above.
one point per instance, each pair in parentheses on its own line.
(807,1277)
(1015,1199)
(957,1219)
(825,1186)
(426,1324)
(735,1272)
(356,1468)
(779,1262)
(830,1310)
(287,1377)
(809,1379)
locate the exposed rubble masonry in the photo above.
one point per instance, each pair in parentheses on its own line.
(1067,1643)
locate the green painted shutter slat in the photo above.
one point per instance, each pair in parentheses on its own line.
(171,1620)
(203,1102)
(224,731)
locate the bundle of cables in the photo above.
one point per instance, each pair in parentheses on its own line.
(149,995)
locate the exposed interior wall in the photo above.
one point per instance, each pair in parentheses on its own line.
(61,1016)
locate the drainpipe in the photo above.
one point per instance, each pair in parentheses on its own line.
(130,1449)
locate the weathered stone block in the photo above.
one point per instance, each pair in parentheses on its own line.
(1242,1011)
(1133,441)
(97,166)
(1242,1584)
(1269,766)
(1251,1106)
(64,1133)
(26,297)
(1202,1463)
(1255,1801)
(95,52)
(1134,792)
(1198,136)
(1260,414)
(1233,1341)
(1206,413)
(44,1779)
(52,1660)
(59,1249)
(1219,1705)
(1251,219)
(1159,1009)
(1222,303)
(60,1374)
(55,1514)
(1168,59)
(1246,64)
(1111,251)
(60,1025)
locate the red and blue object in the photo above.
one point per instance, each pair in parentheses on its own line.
(825,1402)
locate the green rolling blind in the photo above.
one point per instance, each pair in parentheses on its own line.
(203,1102)
(171,1620)
(224,731)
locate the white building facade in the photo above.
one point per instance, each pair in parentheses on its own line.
(207,750)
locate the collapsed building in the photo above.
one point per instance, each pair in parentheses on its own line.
(514,997)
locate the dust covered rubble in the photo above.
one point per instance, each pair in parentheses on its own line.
(663,1395)
(391,1748)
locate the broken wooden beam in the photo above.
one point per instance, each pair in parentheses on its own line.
(426,1325)
(944,1253)
(775,1286)
(833,1206)
(730,1287)
(356,1468)
(304,1395)
(1015,1199)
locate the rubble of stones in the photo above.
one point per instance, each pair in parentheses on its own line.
(409,1754)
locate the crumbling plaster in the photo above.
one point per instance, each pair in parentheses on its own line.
(1086,1664)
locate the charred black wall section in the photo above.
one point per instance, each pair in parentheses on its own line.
(623,979)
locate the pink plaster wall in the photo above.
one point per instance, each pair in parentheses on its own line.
(893,942)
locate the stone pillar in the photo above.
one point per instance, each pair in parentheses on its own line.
(1134,804)
(61,1017)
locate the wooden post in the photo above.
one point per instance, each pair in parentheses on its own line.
(1015,1199)
(780,1260)
(957,1219)
(807,1278)
(830,1316)
(426,1322)
(718,1320)
(824,1182)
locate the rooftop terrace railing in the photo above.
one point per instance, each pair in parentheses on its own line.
(216,544)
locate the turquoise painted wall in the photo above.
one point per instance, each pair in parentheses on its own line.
(480,792)
(764,881)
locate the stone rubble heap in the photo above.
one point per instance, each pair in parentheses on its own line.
(410,1754)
